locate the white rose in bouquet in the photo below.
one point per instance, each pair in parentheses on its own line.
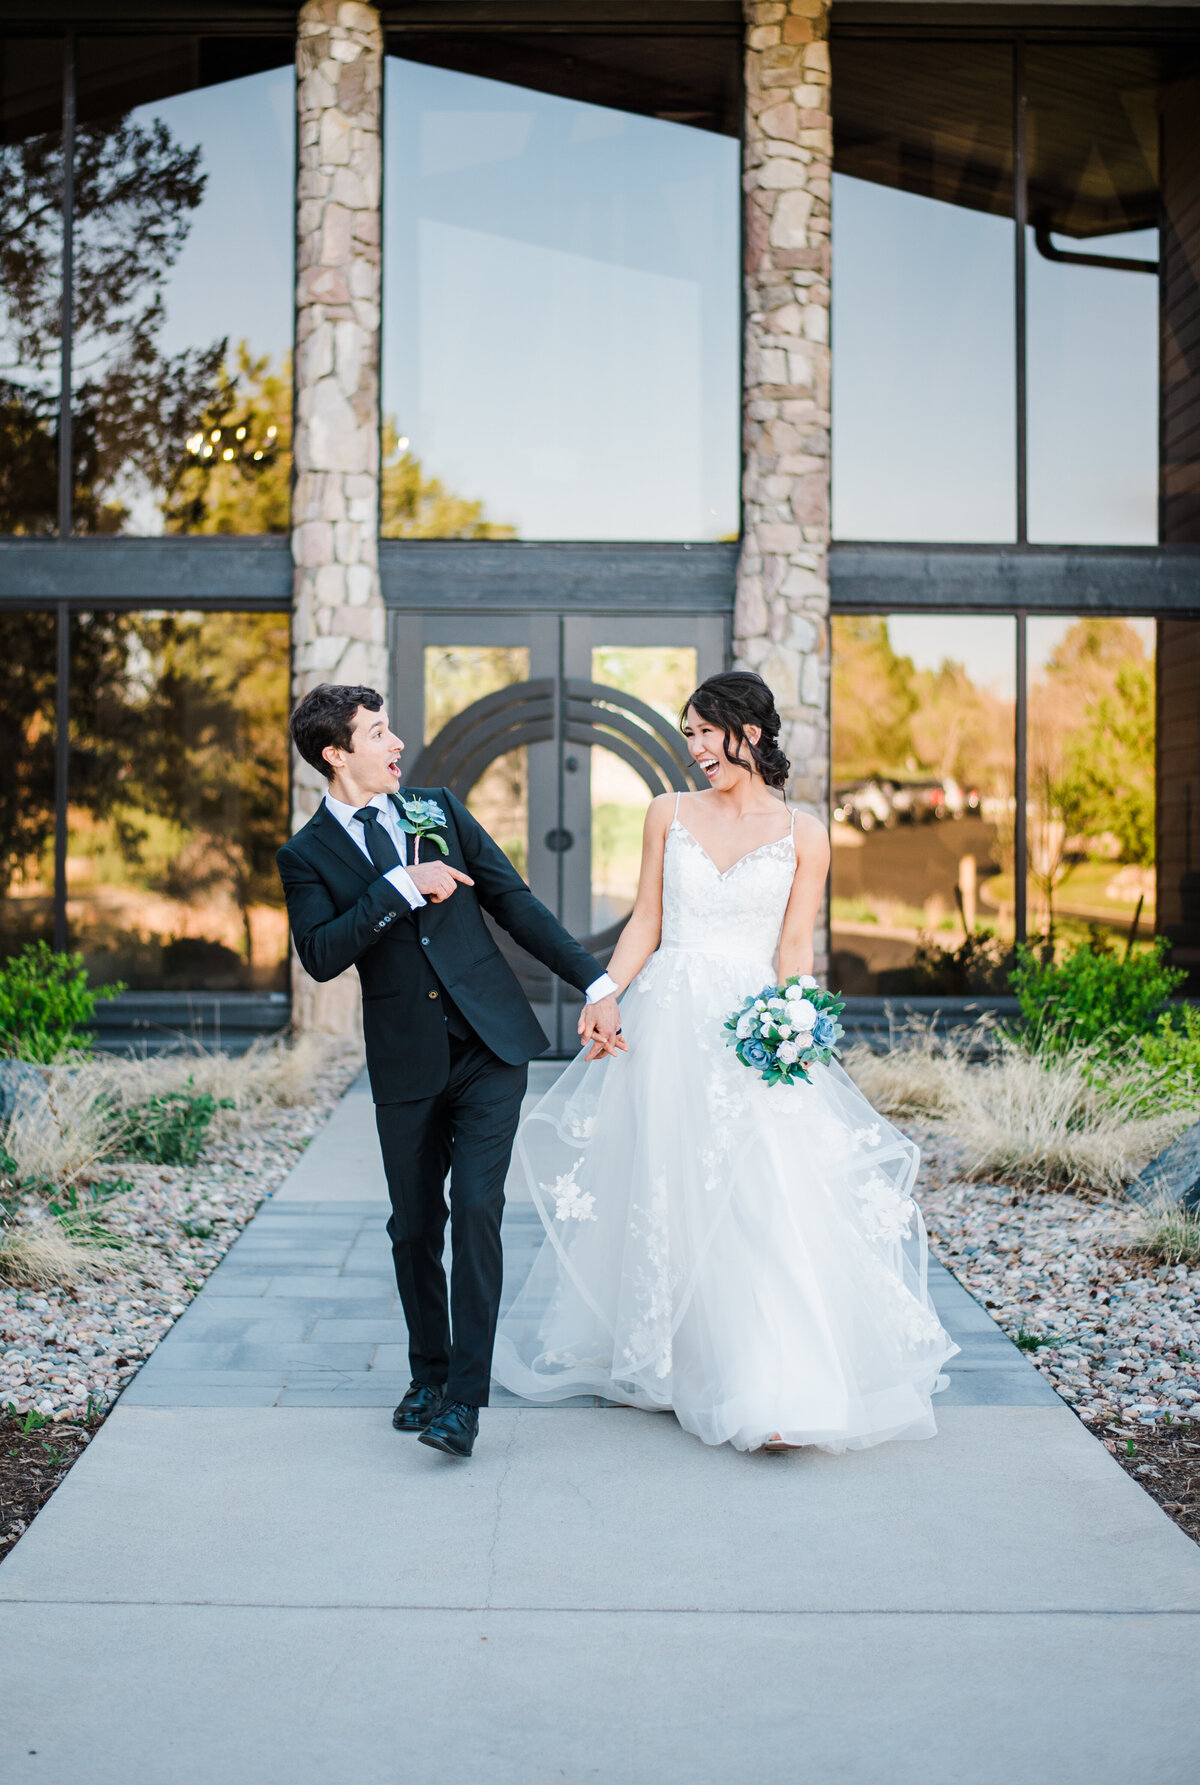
(776,1004)
(808,982)
(788,1053)
(793,992)
(803,1015)
(745,1027)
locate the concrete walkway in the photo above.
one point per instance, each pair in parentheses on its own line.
(250,1579)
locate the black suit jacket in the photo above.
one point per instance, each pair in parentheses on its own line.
(343,913)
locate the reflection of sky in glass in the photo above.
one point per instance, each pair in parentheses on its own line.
(234,276)
(923,393)
(985,644)
(1093,396)
(923,368)
(561,308)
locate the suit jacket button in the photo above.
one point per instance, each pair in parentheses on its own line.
(424,941)
(433,994)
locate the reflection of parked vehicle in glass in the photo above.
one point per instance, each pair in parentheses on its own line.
(956,799)
(865,804)
(919,802)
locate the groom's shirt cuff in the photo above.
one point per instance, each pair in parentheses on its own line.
(403,884)
(604,987)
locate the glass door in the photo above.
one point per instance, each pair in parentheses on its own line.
(556,731)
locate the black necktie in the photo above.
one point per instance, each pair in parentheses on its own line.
(380,847)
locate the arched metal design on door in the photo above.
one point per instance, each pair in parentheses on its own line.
(573,712)
(564,711)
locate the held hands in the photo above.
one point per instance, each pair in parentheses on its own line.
(435,881)
(600,1025)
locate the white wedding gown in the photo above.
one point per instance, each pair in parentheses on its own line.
(747,1255)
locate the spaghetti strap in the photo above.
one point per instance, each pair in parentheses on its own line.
(678,797)
(792,826)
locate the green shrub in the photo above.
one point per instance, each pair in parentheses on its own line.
(1173,1050)
(170,1129)
(1092,994)
(45,1000)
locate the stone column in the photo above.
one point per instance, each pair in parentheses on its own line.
(338,623)
(781,624)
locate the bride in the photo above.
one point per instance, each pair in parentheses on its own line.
(746,1255)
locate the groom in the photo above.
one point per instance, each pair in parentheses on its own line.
(449,1033)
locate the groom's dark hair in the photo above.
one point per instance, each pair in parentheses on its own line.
(325,716)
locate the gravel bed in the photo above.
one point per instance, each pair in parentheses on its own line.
(68,1353)
(1116,1334)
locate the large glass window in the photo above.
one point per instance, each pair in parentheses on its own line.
(935,435)
(1091,797)
(1093,152)
(178,799)
(923,320)
(923,775)
(31,92)
(183,285)
(180,220)
(560,317)
(27,728)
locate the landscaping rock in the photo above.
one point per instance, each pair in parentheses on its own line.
(1175,1173)
(1117,1334)
(13,1075)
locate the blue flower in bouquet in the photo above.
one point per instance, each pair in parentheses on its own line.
(784,1030)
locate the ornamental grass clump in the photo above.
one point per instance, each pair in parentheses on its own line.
(1168,1234)
(1081,1119)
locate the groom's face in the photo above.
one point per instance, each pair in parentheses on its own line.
(372,763)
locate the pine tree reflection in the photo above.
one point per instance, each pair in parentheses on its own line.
(178,798)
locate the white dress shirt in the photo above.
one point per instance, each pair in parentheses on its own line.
(356,831)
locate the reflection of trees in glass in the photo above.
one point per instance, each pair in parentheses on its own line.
(179,757)
(235,475)
(455,677)
(413,506)
(894,720)
(27,691)
(1091,757)
(135,191)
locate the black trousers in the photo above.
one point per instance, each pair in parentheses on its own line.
(468,1131)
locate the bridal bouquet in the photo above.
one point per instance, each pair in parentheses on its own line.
(784,1029)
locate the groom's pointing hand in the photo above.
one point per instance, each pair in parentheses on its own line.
(435,881)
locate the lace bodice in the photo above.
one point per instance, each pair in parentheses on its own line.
(738,913)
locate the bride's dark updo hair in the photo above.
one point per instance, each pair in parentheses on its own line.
(734,700)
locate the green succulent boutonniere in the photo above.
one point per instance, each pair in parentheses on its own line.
(421,818)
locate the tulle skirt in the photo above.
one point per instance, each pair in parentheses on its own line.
(748,1256)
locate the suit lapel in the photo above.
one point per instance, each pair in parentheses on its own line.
(329,832)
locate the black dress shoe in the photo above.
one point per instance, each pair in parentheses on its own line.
(422,1403)
(454,1430)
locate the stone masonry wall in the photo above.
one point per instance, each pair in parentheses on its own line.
(338,623)
(781,624)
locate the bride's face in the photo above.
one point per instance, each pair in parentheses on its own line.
(706,743)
